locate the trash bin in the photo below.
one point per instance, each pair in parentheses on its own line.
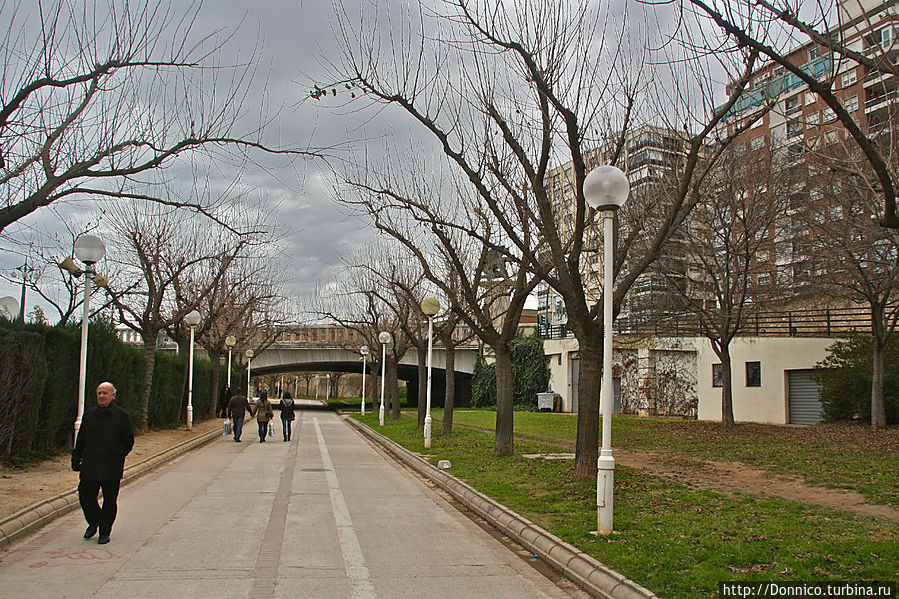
(545,402)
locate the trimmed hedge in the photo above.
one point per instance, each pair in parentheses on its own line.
(39,383)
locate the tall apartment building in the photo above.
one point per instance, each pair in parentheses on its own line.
(797,130)
(649,153)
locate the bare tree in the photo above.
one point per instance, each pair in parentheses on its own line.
(507,92)
(362,302)
(100,98)
(721,269)
(848,255)
(164,250)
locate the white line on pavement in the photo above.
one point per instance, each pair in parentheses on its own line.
(353,560)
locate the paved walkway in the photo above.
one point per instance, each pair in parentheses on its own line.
(326,515)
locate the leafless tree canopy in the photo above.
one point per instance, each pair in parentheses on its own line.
(508,91)
(99,99)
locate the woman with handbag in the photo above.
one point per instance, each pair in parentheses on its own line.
(264,414)
(287,414)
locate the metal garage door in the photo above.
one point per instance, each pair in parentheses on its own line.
(575,381)
(805,400)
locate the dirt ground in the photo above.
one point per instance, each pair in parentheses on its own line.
(20,488)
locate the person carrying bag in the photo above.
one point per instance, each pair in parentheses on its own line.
(287,415)
(264,415)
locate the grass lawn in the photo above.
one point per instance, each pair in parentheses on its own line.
(846,456)
(676,541)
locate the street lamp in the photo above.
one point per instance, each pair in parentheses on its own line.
(606,188)
(385,340)
(230,341)
(364,351)
(249,354)
(9,307)
(89,249)
(430,306)
(328,387)
(192,319)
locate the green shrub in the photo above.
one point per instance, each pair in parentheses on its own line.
(23,372)
(845,378)
(530,375)
(483,385)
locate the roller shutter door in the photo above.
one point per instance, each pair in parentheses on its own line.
(805,400)
(575,382)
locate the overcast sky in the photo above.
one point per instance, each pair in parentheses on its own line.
(294,34)
(297,38)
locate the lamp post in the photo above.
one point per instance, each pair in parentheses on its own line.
(230,341)
(364,351)
(249,354)
(385,340)
(296,386)
(430,306)
(328,387)
(9,307)
(89,249)
(606,188)
(192,319)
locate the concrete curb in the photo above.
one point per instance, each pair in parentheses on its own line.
(577,566)
(33,517)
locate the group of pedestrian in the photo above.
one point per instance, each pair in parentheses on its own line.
(106,436)
(261,409)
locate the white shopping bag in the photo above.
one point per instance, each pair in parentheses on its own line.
(226,427)
(271,428)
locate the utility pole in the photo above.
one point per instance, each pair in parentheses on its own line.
(24,269)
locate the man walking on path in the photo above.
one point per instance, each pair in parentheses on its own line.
(238,407)
(104,439)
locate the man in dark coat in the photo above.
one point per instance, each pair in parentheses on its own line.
(238,408)
(104,439)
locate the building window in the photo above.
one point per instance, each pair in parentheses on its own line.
(828,115)
(851,104)
(812,119)
(764,280)
(849,78)
(758,142)
(753,374)
(717,375)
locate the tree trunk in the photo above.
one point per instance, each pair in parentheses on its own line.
(505,426)
(587,449)
(878,404)
(149,364)
(450,401)
(214,368)
(393,390)
(727,388)
(422,384)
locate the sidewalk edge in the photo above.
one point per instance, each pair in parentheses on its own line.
(37,515)
(577,566)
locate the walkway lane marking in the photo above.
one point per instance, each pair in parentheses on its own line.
(265,573)
(353,560)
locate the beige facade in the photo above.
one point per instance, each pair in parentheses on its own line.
(674,375)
